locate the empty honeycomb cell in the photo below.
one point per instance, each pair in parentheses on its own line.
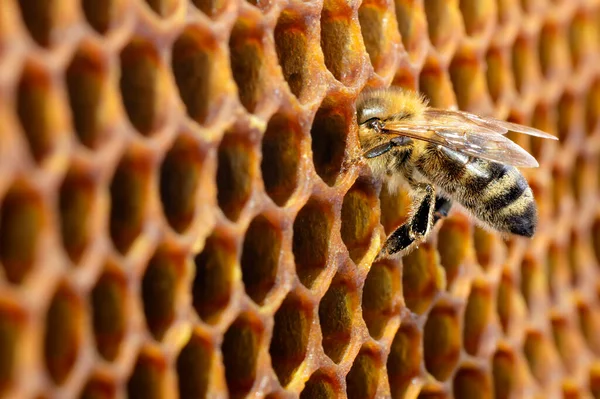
(144,86)
(505,302)
(533,282)
(567,343)
(99,388)
(405,359)
(336,309)
(472,383)
(558,271)
(583,37)
(180,181)
(452,255)
(378,33)
(381,296)
(236,170)
(194,367)
(359,219)
(589,325)
(281,148)
(163,8)
(570,116)
(441,22)
(478,317)
(63,335)
(329,133)
(40,112)
(290,337)
(411,21)
(261,254)
(561,190)
(363,378)
(320,386)
(484,242)
(12,323)
(160,287)
(592,108)
(441,341)
(312,229)
(468,82)
(148,379)
(394,208)
(524,64)
(497,73)
(22,221)
(109,312)
(576,265)
(212,287)
(436,85)
(421,278)
(42,19)
(77,204)
(240,347)
(540,358)
(543,118)
(553,51)
(477,15)
(100,14)
(202,74)
(504,374)
(129,192)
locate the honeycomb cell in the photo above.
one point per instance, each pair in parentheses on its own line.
(469,82)
(321,386)
(236,171)
(595,381)
(470,382)
(477,15)
(99,388)
(441,341)
(22,221)
(212,8)
(589,325)
(484,242)
(282,147)
(100,14)
(312,229)
(452,255)
(381,296)
(163,8)
(540,357)
(290,337)
(144,87)
(202,74)
(87,83)
(570,116)
(440,22)
(261,254)
(12,324)
(395,207)
(336,309)
(194,367)
(524,64)
(359,219)
(63,335)
(592,112)
(504,375)
(180,182)
(363,378)
(532,282)
(411,25)
(129,192)
(42,19)
(583,37)
(241,344)
(505,302)
(109,312)
(329,134)
(436,85)
(567,343)
(498,77)
(421,278)
(378,33)
(148,380)
(553,50)
(40,111)
(404,360)
(212,287)
(160,288)
(478,316)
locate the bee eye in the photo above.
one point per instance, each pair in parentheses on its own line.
(374,123)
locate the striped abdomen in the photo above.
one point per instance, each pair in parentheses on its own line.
(495,193)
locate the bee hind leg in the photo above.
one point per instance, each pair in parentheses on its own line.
(442,208)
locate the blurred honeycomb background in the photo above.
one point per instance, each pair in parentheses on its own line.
(180,215)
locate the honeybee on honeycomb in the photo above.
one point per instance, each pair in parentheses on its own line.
(444,156)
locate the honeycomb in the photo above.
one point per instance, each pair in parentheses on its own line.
(181,216)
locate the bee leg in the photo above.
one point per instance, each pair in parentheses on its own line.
(442,208)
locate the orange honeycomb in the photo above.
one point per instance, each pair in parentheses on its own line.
(179,216)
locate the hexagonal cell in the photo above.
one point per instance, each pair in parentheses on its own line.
(22,221)
(441,22)
(212,287)
(592,108)
(363,378)
(148,380)
(381,296)
(504,375)
(595,380)
(359,218)
(202,74)
(144,86)
(378,32)
(100,14)
(43,19)
(329,133)
(421,279)
(505,301)
(63,335)
(99,387)
(589,324)
(411,25)
(129,191)
(540,357)
(290,337)
(160,286)
(472,383)
(12,324)
(543,118)
(498,75)
(88,85)
(478,316)
(395,207)
(320,385)
(77,204)
(312,229)
(469,82)
(260,258)
(477,15)
(570,116)
(525,65)
(180,179)
(583,37)
(282,147)
(237,167)
(567,342)
(558,272)
(404,360)
(240,347)
(41,112)
(435,84)
(163,8)
(484,242)
(194,367)
(553,50)
(441,341)
(452,255)
(533,283)
(109,312)
(336,309)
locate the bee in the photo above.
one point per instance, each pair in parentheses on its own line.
(445,156)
